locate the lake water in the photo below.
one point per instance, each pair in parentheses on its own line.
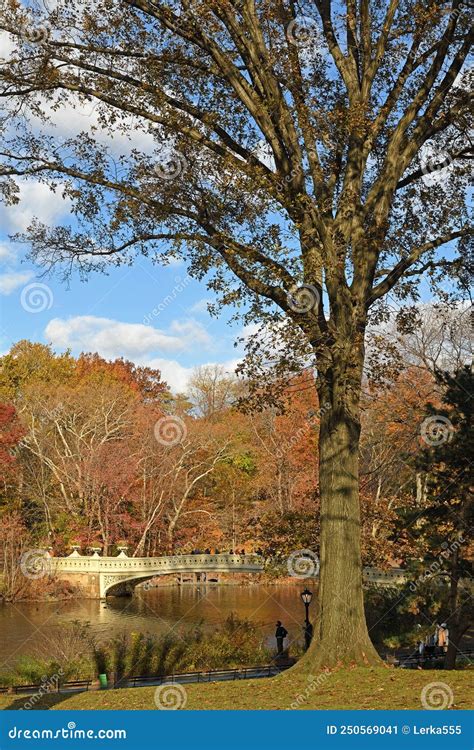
(23,625)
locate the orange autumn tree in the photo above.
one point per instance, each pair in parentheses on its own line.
(77,454)
(391,421)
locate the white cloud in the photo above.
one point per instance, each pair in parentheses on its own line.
(200,306)
(74,116)
(7,252)
(112,338)
(192,331)
(177,377)
(13,279)
(140,343)
(6,45)
(264,153)
(464,78)
(37,200)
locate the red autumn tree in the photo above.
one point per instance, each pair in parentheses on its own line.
(11,432)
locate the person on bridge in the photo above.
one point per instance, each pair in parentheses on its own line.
(280,635)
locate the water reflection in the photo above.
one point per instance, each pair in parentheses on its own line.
(23,625)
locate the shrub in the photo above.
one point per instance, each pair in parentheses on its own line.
(101,658)
(236,643)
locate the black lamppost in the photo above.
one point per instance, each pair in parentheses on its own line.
(306,597)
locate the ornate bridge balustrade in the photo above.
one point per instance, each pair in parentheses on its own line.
(99,576)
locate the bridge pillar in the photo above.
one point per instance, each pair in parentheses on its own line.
(89,585)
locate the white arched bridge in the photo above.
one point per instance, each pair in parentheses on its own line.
(116,576)
(99,577)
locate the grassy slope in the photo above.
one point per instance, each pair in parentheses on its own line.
(344,689)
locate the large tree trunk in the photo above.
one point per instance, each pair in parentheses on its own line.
(340,635)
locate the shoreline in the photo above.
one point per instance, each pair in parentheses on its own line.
(290,581)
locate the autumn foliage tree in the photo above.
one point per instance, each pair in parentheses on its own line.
(445,520)
(13,532)
(96,463)
(11,431)
(299,161)
(76,452)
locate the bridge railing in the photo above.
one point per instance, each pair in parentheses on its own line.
(118,564)
(197,562)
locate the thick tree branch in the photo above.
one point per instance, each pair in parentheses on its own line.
(402,266)
(465,153)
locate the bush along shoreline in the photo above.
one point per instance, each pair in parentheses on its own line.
(76,655)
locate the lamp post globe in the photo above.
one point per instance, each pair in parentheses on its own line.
(306,597)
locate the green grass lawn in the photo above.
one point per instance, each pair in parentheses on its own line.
(343,689)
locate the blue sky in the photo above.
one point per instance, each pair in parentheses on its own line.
(147,313)
(111,314)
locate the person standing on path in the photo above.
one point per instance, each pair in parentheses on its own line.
(443,636)
(280,635)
